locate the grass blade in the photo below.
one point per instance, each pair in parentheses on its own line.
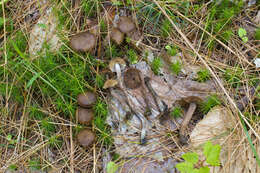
(250,141)
(32,80)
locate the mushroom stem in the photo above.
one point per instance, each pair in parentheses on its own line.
(187,118)
(118,71)
(154,95)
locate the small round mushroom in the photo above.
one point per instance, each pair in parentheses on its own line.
(83,42)
(117,36)
(125,24)
(87,99)
(86,138)
(113,63)
(135,36)
(132,79)
(84,116)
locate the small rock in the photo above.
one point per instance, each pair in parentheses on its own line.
(257,62)
(44,32)
(84,116)
(87,99)
(86,138)
(83,42)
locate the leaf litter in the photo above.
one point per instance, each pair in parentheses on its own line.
(139,115)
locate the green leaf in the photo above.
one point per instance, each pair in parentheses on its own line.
(242,32)
(195,171)
(191,157)
(204,170)
(9,137)
(112,167)
(168,47)
(212,153)
(185,167)
(244,39)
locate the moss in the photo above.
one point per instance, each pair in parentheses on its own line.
(257,34)
(156,65)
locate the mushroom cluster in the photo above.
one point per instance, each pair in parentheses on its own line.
(85,115)
(86,41)
(125,26)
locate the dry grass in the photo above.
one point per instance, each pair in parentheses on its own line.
(53,146)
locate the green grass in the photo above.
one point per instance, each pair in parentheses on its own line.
(233,76)
(35,164)
(43,90)
(101,112)
(171,50)
(219,20)
(209,103)
(156,65)
(176,67)
(166,28)
(257,34)
(132,56)
(13,167)
(176,112)
(203,75)
(47,126)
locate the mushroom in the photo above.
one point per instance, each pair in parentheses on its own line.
(132,79)
(83,42)
(125,24)
(87,99)
(110,83)
(192,100)
(186,119)
(86,138)
(117,36)
(116,65)
(84,116)
(93,26)
(135,37)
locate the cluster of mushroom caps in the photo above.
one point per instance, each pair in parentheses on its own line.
(86,41)
(85,115)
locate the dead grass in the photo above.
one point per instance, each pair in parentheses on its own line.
(59,151)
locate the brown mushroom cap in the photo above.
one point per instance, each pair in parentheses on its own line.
(83,42)
(110,83)
(84,116)
(86,138)
(114,61)
(87,99)
(135,35)
(132,79)
(125,24)
(117,36)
